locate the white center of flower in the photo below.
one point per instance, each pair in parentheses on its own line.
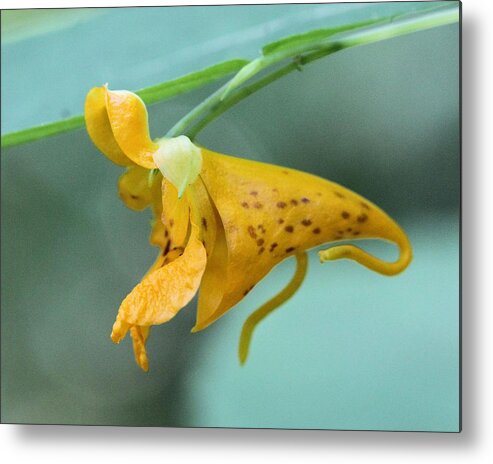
(179,160)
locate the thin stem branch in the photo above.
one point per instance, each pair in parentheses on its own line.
(150,95)
(229,95)
(236,97)
(187,120)
(273,54)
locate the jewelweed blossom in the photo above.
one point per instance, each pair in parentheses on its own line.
(222,223)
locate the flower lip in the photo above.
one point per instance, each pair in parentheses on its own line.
(179,160)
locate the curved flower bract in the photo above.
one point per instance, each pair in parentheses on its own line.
(222,223)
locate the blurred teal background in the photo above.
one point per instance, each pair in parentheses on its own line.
(352,349)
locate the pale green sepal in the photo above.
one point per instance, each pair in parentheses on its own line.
(179,160)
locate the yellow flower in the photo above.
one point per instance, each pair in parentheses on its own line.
(222,223)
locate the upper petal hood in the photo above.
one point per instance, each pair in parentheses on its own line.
(117,123)
(99,127)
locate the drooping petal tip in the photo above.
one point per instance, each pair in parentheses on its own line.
(139,336)
(119,330)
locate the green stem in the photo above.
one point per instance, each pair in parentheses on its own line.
(228,96)
(436,18)
(245,92)
(149,95)
(199,110)
(41,131)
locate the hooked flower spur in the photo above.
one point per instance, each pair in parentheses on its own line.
(222,223)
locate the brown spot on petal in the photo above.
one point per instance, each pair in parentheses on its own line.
(305,200)
(316,230)
(261,250)
(356,232)
(338,194)
(248,290)
(289,229)
(245,205)
(364,205)
(306,222)
(251,232)
(280,221)
(258,205)
(345,215)
(204,223)
(285,172)
(260,242)
(166,248)
(294,202)
(281,204)
(166,233)
(134,197)
(290,249)
(272,247)
(362,218)
(171,222)
(254,193)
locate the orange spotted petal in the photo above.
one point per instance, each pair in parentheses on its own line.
(175,216)
(160,295)
(137,194)
(127,114)
(204,214)
(269,213)
(214,281)
(99,127)
(170,227)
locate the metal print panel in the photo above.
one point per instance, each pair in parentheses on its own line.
(310,279)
